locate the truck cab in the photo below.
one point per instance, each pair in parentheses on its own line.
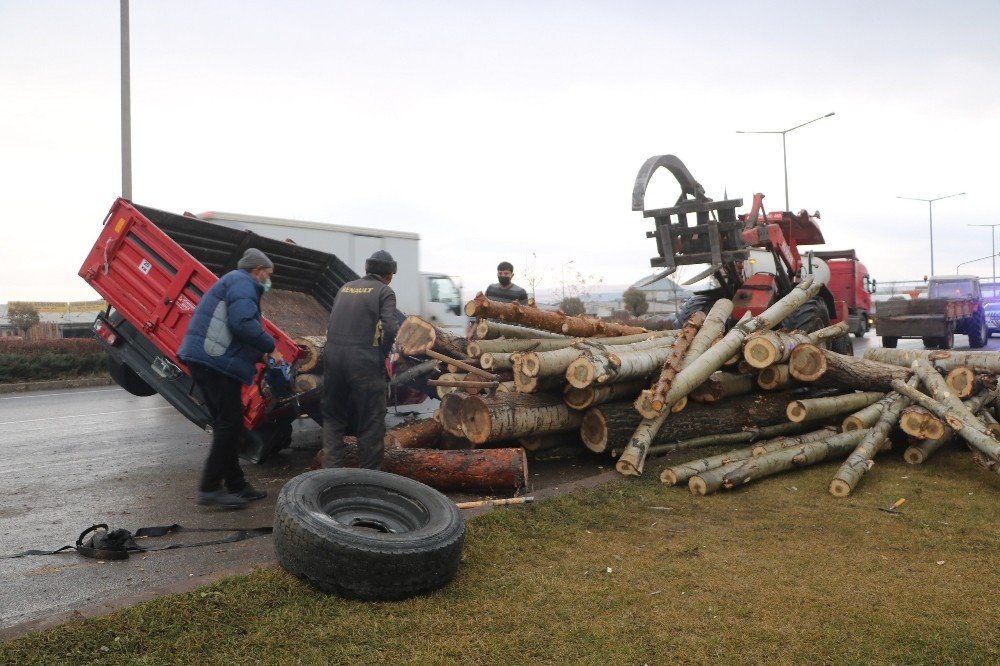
(851,283)
(441,302)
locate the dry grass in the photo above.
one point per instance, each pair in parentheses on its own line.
(778,572)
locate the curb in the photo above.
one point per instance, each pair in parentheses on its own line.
(81,382)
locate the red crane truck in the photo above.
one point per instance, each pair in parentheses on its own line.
(152,267)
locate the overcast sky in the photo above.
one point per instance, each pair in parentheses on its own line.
(500,130)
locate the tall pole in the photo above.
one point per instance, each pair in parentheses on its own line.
(930,216)
(993,246)
(784,153)
(126,107)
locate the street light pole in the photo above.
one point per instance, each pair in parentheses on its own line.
(784,153)
(930,217)
(126,106)
(993,246)
(972,261)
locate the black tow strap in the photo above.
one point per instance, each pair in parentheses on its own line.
(117,544)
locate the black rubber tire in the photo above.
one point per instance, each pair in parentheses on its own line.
(258,445)
(811,316)
(889,342)
(330,530)
(931,342)
(127,378)
(979,333)
(948,341)
(863,327)
(842,345)
(692,305)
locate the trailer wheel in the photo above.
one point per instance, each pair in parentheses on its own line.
(931,342)
(889,342)
(367,534)
(863,327)
(948,341)
(128,379)
(979,333)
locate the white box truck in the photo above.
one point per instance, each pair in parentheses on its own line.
(432,296)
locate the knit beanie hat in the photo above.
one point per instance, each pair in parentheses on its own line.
(254,258)
(380,263)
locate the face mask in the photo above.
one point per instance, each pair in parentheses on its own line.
(504,280)
(267,285)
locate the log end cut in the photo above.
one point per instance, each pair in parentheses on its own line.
(807,363)
(594,431)
(840,488)
(476,420)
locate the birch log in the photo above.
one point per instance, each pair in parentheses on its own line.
(963,382)
(513,415)
(722,385)
(811,409)
(672,364)
(918,452)
(634,456)
(877,440)
(503,346)
(678,474)
(944,360)
(750,434)
(766,348)
(810,363)
(487,330)
(867,417)
(585,398)
(775,462)
(417,336)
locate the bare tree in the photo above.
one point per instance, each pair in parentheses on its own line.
(531,275)
(22,316)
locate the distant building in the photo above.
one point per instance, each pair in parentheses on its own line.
(68,319)
(664,295)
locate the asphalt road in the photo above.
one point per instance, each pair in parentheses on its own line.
(77,457)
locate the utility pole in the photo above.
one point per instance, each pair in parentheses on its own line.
(126,106)
(930,217)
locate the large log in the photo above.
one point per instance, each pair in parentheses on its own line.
(585,398)
(678,474)
(610,426)
(450,413)
(963,381)
(503,346)
(417,336)
(513,415)
(874,442)
(812,409)
(944,360)
(688,379)
(765,348)
(494,361)
(917,422)
(419,434)
(722,385)
(312,347)
(488,330)
(810,363)
(556,322)
(776,377)
(490,470)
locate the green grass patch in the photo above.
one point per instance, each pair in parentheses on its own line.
(777,572)
(40,360)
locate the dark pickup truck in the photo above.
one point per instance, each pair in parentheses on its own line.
(954,304)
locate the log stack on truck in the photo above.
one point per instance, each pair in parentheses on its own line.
(954,304)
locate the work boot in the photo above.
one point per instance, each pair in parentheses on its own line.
(221,498)
(249,493)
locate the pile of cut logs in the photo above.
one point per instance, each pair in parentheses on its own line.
(553,385)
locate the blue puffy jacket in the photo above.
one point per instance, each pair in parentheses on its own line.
(225,332)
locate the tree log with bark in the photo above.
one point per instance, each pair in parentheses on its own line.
(489,330)
(919,451)
(944,360)
(810,363)
(585,398)
(672,364)
(776,378)
(492,470)
(812,409)
(513,415)
(722,385)
(312,347)
(417,336)
(867,417)
(556,322)
(419,434)
(766,348)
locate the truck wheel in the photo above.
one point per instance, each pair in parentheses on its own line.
(931,342)
(979,334)
(692,305)
(862,326)
(128,379)
(948,341)
(811,316)
(889,342)
(366,534)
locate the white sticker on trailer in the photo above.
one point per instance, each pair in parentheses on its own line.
(144,266)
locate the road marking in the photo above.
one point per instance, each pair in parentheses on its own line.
(49,395)
(77,416)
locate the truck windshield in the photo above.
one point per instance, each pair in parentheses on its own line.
(950,290)
(442,290)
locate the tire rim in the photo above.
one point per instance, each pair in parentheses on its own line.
(377,510)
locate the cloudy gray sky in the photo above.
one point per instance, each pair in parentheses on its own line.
(497,131)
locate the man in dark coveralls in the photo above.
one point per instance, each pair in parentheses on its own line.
(359,337)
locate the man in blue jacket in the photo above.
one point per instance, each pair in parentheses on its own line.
(223,343)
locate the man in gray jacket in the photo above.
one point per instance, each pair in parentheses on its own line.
(359,337)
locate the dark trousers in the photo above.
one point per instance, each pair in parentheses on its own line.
(353,403)
(222,396)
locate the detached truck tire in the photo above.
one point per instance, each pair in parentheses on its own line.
(366,534)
